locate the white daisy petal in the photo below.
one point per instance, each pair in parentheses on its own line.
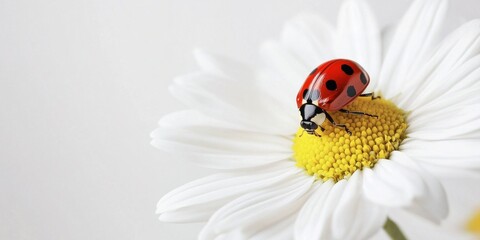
(402,183)
(463,198)
(237,141)
(342,219)
(254,211)
(282,81)
(217,144)
(413,38)
(194,120)
(415,227)
(286,71)
(387,34)
(354,217)
(449,103)
(447,124)
(442,172)
(218,97)
(448,68)
(432,204)
(203,158)
(224,66)
(204,196)
(282,230)
(465,91)
(391,184)
(233,235)
(447,108)
(357,22)
(309,38)
(462,154)
(468,75)
(314,219)
(188,214)
(242,74)
(374,218)
(380,235)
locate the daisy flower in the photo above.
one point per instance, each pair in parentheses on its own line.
(275,183)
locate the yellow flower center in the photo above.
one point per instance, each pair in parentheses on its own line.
(474,223)
(336,154)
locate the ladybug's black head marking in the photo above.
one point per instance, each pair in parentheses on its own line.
(310,114)
(308,111)
(309,126)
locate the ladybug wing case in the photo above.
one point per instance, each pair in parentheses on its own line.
(344,80)
(334,84)
(311,88)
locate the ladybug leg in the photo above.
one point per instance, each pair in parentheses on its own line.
(337,124)
(370,95)
(357,113)
(318,135)
(315,133)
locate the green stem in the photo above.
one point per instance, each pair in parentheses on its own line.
(393,230)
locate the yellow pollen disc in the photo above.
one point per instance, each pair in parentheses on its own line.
(474,223)
(336,154)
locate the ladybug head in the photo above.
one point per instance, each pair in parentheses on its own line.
(309,126)
(312,117)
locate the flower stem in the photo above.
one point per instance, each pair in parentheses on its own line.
(393,230)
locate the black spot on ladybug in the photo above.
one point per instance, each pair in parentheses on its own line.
(347,69)
(351,91)
(331,85)
(363,78)
(313,71)
(305,93)
(315,95)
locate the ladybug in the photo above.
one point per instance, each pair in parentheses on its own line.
(330,87)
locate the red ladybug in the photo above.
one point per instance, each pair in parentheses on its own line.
(330,87)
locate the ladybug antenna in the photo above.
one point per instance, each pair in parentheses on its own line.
(301,134)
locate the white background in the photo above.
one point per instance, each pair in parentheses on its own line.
(83,83)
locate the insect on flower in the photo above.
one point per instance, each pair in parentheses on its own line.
(330,87)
